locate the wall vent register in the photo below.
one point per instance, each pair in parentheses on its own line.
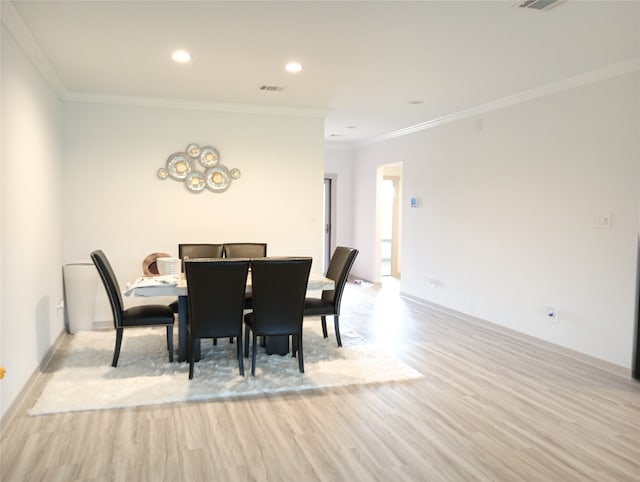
(538,4)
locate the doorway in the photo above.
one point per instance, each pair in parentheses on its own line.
(389,219)
(387,194)
(329,216)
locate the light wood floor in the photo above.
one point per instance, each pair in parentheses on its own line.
(491,407)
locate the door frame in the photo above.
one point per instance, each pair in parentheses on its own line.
(329,218)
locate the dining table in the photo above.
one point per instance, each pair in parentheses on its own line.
(176,285)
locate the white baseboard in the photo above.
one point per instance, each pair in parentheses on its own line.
(26,394)
(576,355)
(102,325)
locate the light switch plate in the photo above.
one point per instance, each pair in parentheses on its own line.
(601,221)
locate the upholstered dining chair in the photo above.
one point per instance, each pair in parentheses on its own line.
(216,291)
(190,251)
(329,302)
(279,286)
(145,315)
(245,250)
(196,250)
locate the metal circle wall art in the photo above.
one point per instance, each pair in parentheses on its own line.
(195,181)
(218,178)
(178,165)
(199,167)
(193,150)
(209,157)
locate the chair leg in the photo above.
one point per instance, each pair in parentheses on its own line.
(324,326)
(299,354)
(240,357)
(170,341)
(231,340)
(246,342)
(215,341)
(116,350)
(336,324)
(253,356)
(191,348)
(294,345)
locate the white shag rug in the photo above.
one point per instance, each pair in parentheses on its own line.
(85,380)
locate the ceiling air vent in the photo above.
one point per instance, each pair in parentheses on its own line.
(538,4)
(270,88)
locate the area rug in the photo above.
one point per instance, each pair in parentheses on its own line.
(85,380)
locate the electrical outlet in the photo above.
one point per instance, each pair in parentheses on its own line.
(551,313)
(433,283)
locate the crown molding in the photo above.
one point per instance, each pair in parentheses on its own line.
(23,36)
(191,105)
(608,72)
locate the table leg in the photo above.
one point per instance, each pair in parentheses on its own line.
(277,344)
(182,332)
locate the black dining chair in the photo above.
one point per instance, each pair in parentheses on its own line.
(197,250)
(145,315)
(279,286)
(245,250)
(191,251)
(329,303)
(216,290)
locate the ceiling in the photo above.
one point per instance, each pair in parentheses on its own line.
(364,62)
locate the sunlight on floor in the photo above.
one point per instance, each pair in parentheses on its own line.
(390,313)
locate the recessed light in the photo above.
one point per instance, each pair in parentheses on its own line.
(181,56)
(293,67)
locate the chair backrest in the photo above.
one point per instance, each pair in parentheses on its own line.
(216,289)
(278,289)
(245,250)
(200,251)
(110,285)
(339,268)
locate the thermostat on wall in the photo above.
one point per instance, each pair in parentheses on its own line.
(414,202)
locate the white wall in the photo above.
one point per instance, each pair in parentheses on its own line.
(114,201)
(507,207)
(338,161)
(31,222)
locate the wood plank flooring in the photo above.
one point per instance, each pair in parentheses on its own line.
(491,407)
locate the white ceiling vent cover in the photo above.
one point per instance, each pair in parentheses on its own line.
(270,88)
(538,4)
